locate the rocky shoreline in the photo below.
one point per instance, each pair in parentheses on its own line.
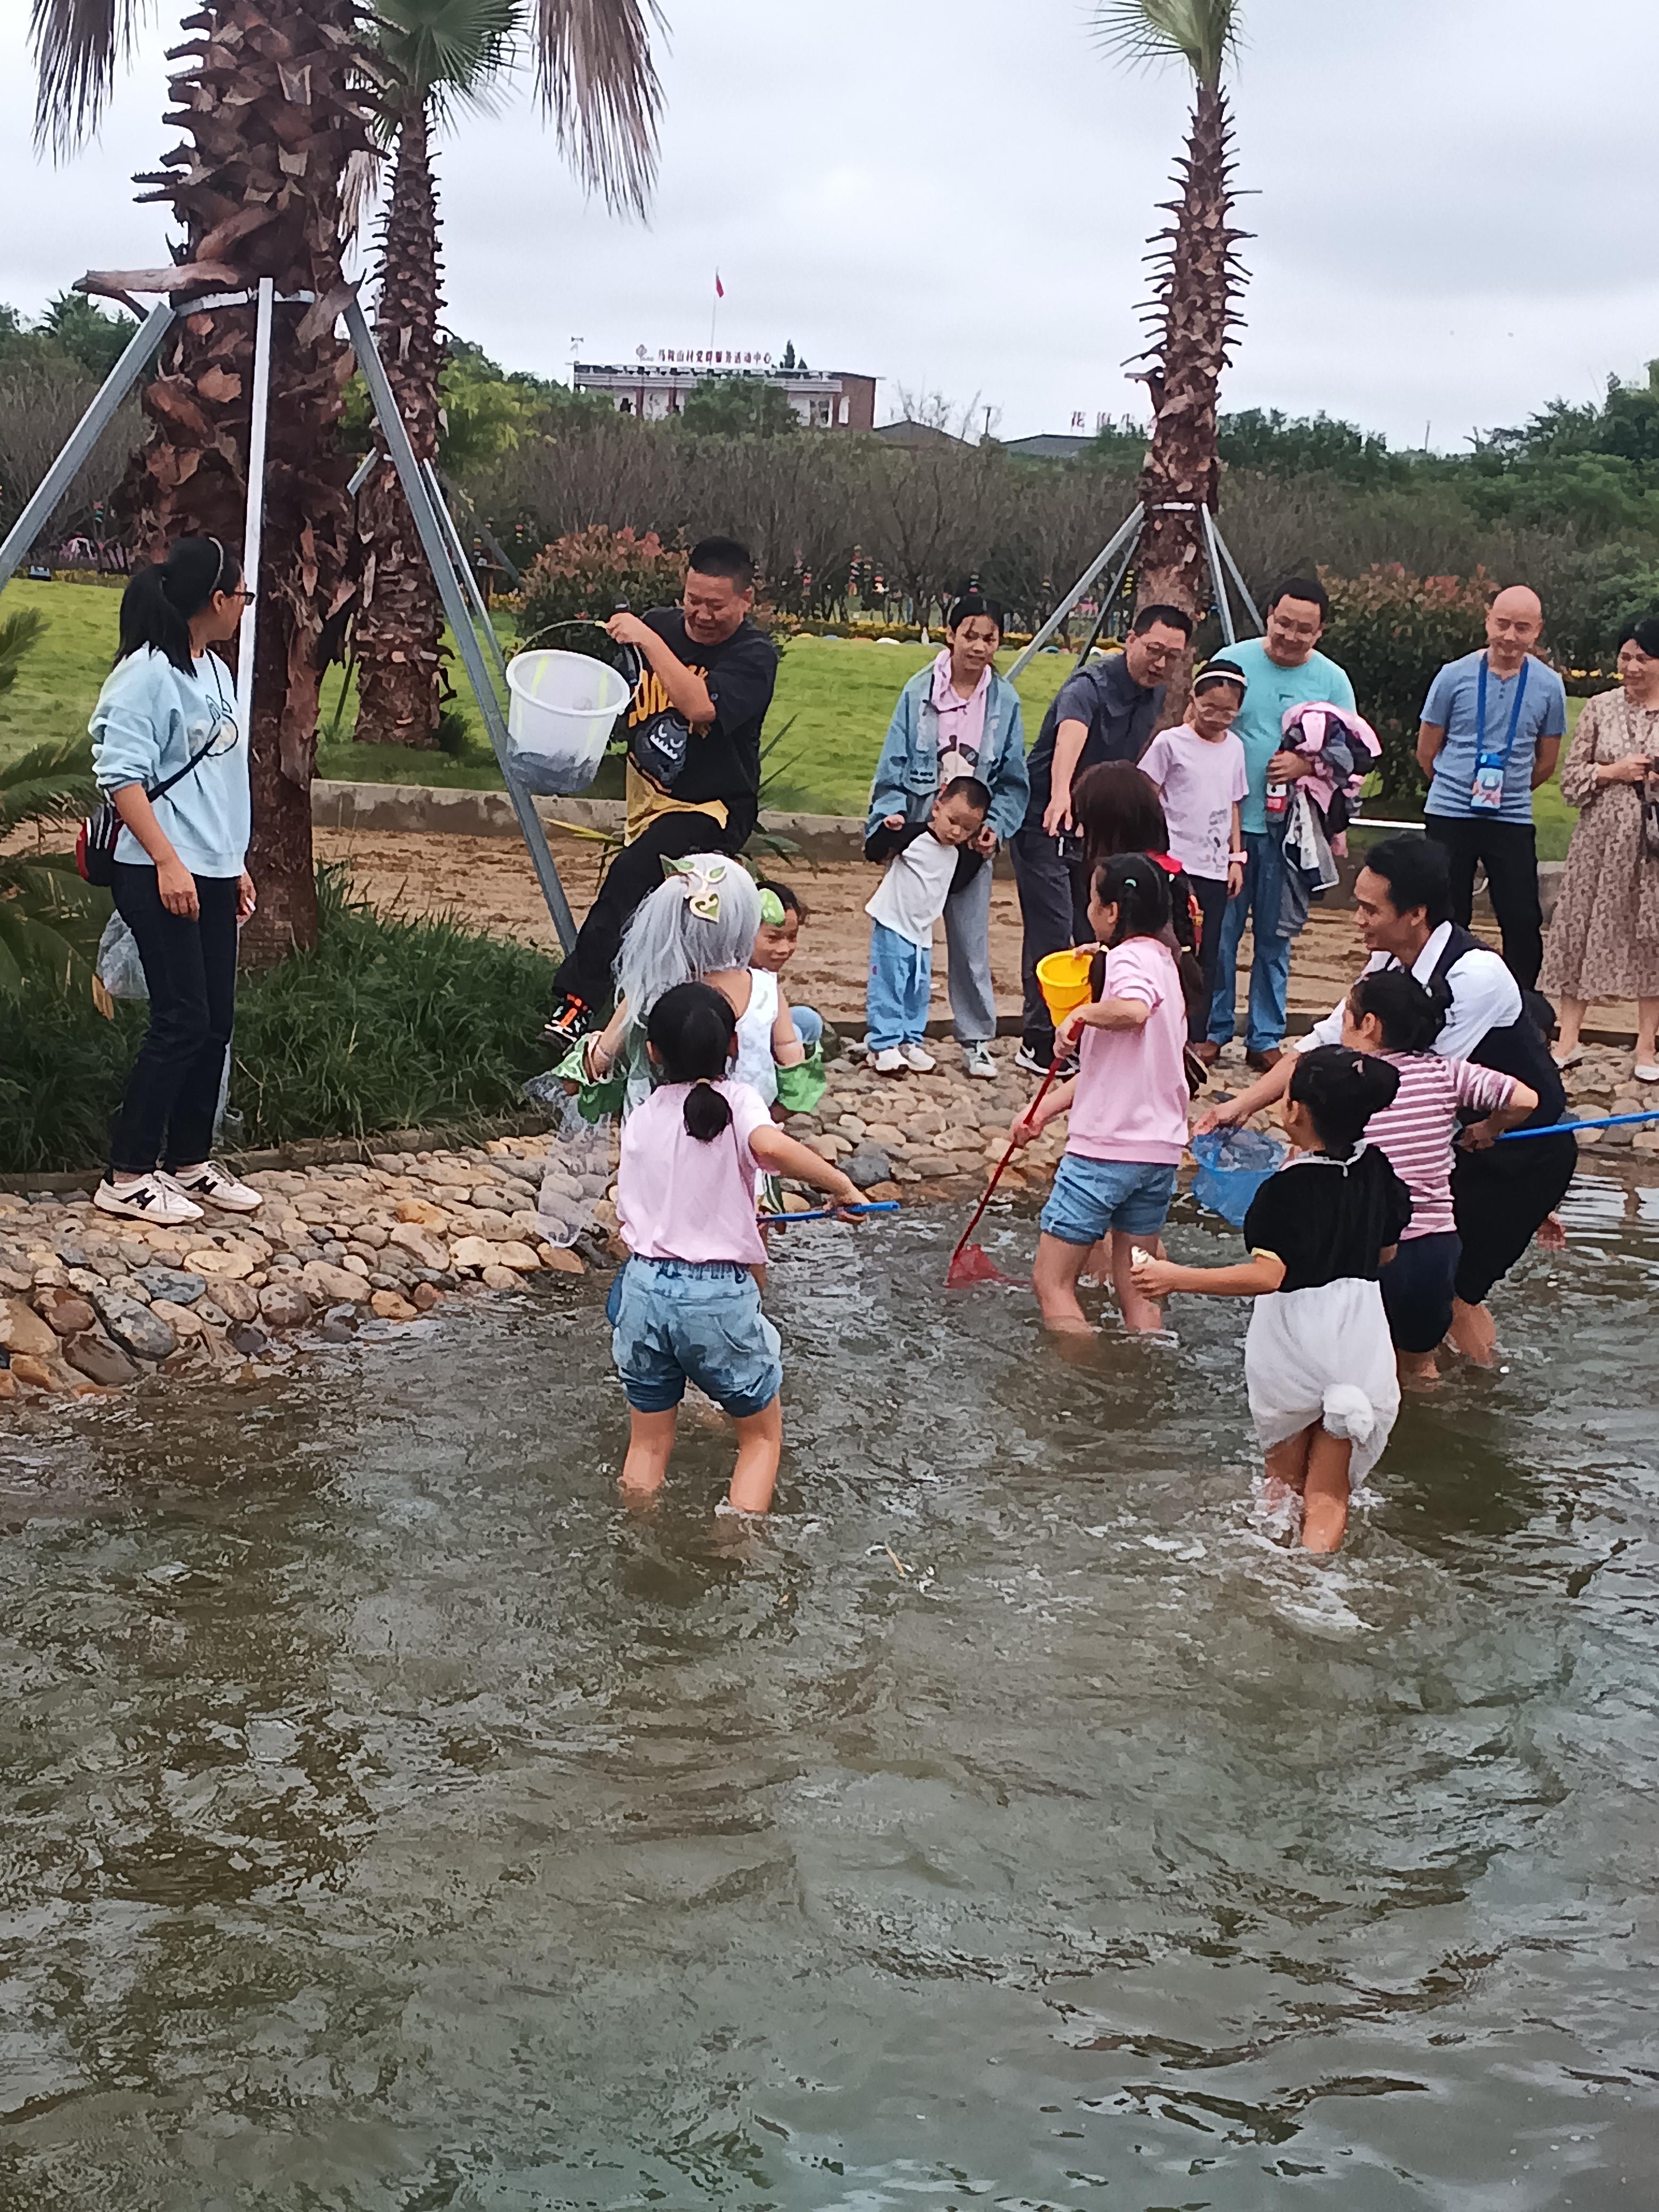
(89,1305)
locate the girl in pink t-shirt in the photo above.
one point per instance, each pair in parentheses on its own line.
(686,1306)
(1128,1102)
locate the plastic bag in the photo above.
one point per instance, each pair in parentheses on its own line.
(118,967)
(577,1177)
(1232,1166)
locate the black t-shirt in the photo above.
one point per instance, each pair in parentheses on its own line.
(1119,714)
(722,761)
(1327,1219)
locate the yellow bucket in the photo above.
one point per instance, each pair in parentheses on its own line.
(1063,977)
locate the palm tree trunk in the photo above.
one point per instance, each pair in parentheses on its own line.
(398,629)
(271,116)
(1196,314)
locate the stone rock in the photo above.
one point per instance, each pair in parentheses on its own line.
(929,1123)
(390,1307)
(236,1300)
(100,1360)
(86,1278)
(133,1250)
(249,1338)
(420,1212)
(514,1253)
(424,1298)
(370,1234)
(831,1147)
(69,1317)
(73,1253)
(184,1322)
(16,1278)
(326,1286)
(883,1192)
(25,1368)
(881,1134)
(867,1166)
(172,1283)
(498,1278)
(490,1221)
(22,1330)
(7,1387)
(283,1306)
(472,1252)
(353,1263)
(421,1242)
(562,1262)
(211,1314)
(334,1332)
(212,1260)
(135,1327)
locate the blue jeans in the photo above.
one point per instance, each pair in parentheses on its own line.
(1270,967)
(697,1321)
(809,1026)
(1091,1196)
(901,983)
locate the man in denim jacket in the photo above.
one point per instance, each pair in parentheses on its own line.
(958,717)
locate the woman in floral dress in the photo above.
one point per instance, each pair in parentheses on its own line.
(1604,936)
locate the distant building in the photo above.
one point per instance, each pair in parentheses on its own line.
(831,400)
(1048,446)
(904,431)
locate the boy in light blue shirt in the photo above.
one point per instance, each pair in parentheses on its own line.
(1490,733)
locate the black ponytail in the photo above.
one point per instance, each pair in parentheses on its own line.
(1411,1017)
(157,605)
(1341,1091)
(1139,889)
(695,1033)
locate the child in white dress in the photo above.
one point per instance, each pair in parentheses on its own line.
(1318,1360)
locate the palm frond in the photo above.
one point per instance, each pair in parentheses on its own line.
(1204,33)
(79,47)
(51,782)
(597,77)
(19,634)
(446,54)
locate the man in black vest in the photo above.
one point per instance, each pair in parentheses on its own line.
(1505,1195)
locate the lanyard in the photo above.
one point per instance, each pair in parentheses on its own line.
(1514,711)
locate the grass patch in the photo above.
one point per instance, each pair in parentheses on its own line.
(387,1025)
(837,692)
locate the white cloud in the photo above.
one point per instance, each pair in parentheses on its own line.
(1450,199)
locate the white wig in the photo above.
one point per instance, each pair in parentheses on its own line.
(701,919)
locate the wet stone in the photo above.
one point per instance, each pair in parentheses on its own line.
(100,1361)
(133,1327)
(172,1284)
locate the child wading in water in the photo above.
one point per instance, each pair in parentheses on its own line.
(1390,1013)
(925,862)
(1318,1361)
(1128,1102)
(685,1306)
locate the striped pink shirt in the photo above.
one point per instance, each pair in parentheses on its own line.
(1415,1134)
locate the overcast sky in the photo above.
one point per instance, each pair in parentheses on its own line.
(1453,203)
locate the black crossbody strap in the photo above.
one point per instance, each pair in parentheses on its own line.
(194,761)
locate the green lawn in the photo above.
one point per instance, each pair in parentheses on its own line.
(833,699)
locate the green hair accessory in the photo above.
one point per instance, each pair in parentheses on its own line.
(772,913)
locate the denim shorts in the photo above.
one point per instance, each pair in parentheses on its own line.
(1091,1196)
(675,1321)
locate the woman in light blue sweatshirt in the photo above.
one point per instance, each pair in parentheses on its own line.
(958,717)
(166,715)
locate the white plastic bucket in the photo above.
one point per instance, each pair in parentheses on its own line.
(561,710)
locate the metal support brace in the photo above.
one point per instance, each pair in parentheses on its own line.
(85,435)
(396,435)
(1218,581)
(1123,537)
(253,527)
(464,569)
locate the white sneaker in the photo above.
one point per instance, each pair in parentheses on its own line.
(213,1185)
(151,1198)
(890,1061)
(977,1060)
(917,1060)
(1645,1072)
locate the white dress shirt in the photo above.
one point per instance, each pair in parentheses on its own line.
(1484,996)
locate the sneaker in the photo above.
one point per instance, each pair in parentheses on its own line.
(212,1185)
(151,1198)
(919,1062)
(890,1061)
(571,1020)
(979,1060)
(1263,1062)
(1030,1061)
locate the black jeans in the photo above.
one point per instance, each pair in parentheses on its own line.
(1509,852)
(190,970)
(633,875)
(1053,912)
(1210,892)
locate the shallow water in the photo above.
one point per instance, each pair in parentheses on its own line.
(391,1822)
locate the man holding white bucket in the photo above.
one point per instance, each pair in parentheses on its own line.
(694,726)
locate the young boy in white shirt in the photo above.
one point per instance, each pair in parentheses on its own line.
(925,861)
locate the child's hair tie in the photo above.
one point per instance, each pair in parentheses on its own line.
(771,910)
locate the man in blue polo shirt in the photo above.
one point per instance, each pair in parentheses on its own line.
(1492,731)
(1282,669)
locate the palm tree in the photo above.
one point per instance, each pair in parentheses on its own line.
(1193,313)
(49,918)
(271,95)
(433,58)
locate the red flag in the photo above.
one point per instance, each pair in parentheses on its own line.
(719,288)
